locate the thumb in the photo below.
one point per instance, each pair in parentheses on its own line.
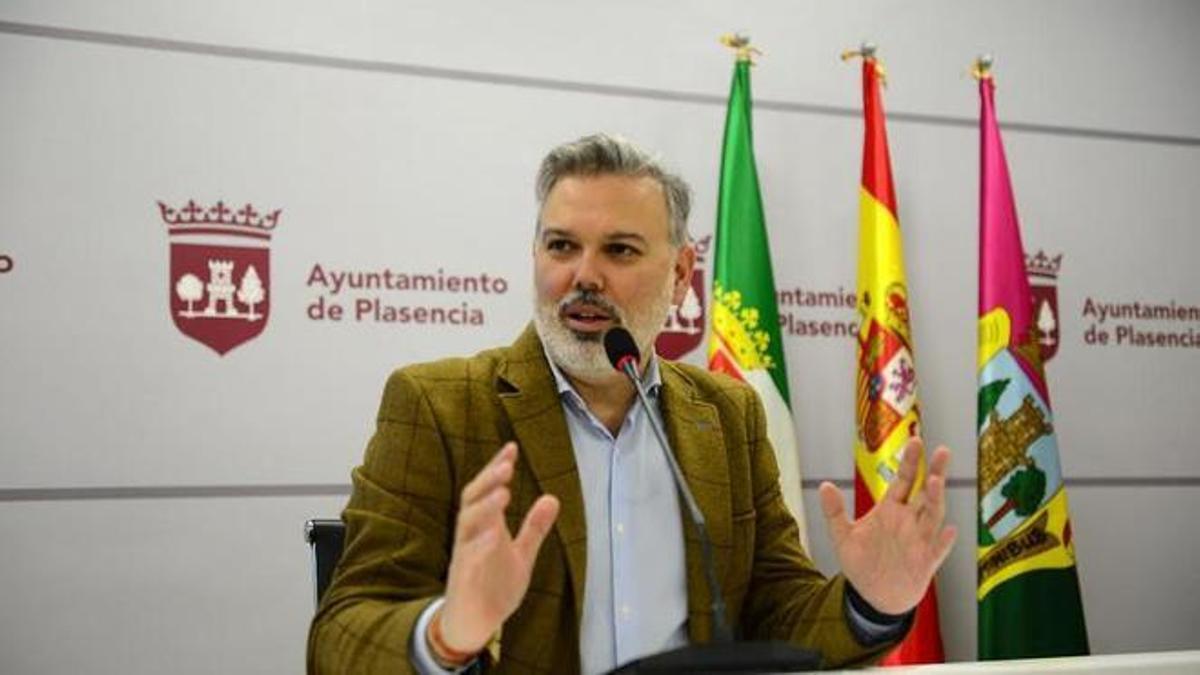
(834,507)
(537,525)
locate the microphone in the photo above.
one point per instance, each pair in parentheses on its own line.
(722,655)
(623,354)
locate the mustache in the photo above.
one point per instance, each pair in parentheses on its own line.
(595,299)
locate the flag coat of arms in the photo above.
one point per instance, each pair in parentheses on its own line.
(1042,272)
(887,413)
(219,284)
(745,341)
(1028,588)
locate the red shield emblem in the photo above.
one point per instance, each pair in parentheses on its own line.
(886,386)
(1042,271)
(684,329)
(219,288)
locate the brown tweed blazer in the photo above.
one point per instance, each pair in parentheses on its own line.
(440,422)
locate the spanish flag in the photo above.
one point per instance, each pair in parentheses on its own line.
(886,411)
(745,341)
(1028,587)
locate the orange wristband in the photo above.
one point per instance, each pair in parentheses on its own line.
(446,654)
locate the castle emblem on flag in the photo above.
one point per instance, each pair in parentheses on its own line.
(684,329)
(1042,271)
(220,279)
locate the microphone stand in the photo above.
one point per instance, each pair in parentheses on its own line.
(721,631)
(722,655)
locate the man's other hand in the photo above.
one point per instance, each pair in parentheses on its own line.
(891,554)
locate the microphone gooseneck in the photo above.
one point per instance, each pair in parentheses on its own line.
(624,355)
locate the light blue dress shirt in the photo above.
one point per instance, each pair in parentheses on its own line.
(635,588)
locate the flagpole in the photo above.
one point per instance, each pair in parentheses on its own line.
(740,44)
(981,68)
(866,51)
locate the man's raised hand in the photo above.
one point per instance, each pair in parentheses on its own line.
(489,568)
(891,554)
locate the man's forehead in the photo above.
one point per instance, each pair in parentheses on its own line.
(551,230)
(640,180)
(632,203)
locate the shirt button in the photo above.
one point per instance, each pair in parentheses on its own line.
(625,611)
(620,528)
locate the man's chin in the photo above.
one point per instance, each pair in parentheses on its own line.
(590,336)
(577,355)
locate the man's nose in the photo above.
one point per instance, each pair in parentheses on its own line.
(588,273)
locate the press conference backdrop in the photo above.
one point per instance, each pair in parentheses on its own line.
(158,461)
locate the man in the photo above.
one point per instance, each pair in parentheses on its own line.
(543,439)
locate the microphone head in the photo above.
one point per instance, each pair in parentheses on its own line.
(621,348)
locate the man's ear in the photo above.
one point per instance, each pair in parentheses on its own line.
(685,262)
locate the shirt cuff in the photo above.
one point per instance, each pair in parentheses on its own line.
(419,653)
(870,626)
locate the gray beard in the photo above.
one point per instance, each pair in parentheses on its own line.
(581,355)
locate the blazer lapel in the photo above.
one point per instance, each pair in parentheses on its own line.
(527,392)
(694,430)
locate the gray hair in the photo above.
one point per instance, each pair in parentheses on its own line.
(605,154)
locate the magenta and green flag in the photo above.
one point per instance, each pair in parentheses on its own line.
(1028,585)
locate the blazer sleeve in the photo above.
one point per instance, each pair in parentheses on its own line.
(788,598)
(399,528)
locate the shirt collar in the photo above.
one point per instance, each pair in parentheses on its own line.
(651,379)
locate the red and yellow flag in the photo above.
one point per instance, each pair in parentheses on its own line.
(886,411)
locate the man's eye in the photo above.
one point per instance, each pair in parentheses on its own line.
(559,245)
(622,250)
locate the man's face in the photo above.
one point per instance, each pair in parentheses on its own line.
(602,258)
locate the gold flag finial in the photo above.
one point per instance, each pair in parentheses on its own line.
(740,44)
(982,68)
(866,51)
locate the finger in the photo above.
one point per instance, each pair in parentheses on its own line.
(482,514)
(537,525)
(833,505)
(916,503)
(945,543)
(934,511)
(497,472)
(910,461)
(939,461)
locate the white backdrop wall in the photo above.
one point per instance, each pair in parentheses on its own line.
(153,491)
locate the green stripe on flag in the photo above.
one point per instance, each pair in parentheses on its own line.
(1037,614)
(743,257)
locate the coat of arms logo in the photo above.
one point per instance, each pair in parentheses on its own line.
(1042,271)
(219,287)
(684,329)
